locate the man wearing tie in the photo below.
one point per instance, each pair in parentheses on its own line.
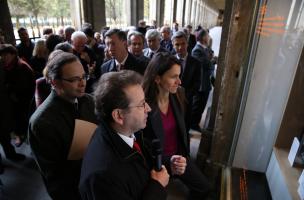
(191,71)
(116,43)
(117,165)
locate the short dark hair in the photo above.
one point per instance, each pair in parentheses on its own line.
(47,31)
(178,34)
(88,31)
(135,33)
(52,41)
(202,33)
(8,48)
(64,46)
(110,94)
(120,34)
(56,61)
(21,29)
(159,64)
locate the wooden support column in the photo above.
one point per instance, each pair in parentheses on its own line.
(160,9)
(94,13)
(135,11)
(232,67)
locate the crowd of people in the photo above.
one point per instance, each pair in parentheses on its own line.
(92,103)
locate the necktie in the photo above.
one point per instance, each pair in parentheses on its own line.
(122,66)
(151,55)
(136,147)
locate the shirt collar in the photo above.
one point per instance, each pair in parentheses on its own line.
(204,46)
(123,61)
(184,58)
(128,140)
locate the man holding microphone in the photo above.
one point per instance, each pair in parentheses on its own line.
(117,164)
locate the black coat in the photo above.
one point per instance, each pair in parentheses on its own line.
(112,170)
(131,64)
(190,77)
(51,131)
(147,51)
(154,129)
(203,55)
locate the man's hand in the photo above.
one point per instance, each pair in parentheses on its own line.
(178,164)
(162,176)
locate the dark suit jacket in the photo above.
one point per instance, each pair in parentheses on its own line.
(154,129)
(84,63)
(202,54)
(145,60)
(131,64)
(191,43)
(147,51)
(190,77)
(112,170)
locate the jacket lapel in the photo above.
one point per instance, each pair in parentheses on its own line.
(179,118)
(157,125)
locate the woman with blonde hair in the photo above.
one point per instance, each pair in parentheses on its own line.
(40,55)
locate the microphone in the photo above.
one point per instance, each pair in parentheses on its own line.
(157,155)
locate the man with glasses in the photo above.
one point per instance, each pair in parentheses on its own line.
(117,165)
(53,126)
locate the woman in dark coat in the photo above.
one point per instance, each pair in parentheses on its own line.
(166,122)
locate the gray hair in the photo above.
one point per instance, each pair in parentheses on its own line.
(78,34)
(152,33)
(165,29)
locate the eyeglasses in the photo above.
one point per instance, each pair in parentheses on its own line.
(143,105)
(77,78)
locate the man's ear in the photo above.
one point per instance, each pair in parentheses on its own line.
(55,83)
(125,43)
(117,116)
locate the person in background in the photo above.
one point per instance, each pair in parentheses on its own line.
(83,52)
(52,41)
(190,73)
(52,127)
(68,31)
(153,38)
(20,84)
(142,27)
(47,31)
(175,27)
(117,164)
(166,42)
(39,58)
(191,39)
(26,46)
(166,122)
(6,117)
(98,38)
(202,53)
(116,43)
(136,46)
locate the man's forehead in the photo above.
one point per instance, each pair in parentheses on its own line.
(135,93)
